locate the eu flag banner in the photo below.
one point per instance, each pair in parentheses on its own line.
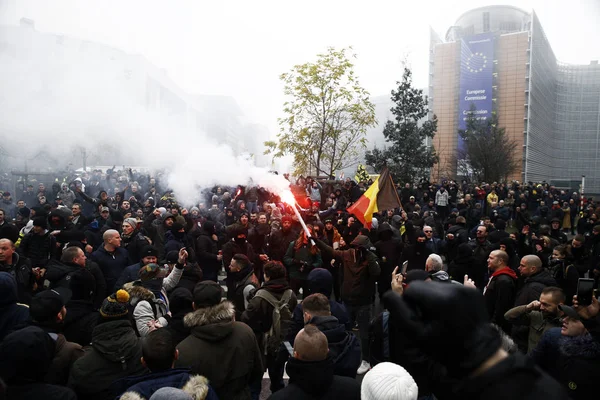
(476,78)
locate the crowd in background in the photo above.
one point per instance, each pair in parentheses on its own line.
(113,289)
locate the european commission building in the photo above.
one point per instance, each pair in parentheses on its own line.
(497,61)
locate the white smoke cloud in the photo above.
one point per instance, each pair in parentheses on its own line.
(59,97)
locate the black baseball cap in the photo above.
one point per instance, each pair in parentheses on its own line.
(569,312)
(47,304)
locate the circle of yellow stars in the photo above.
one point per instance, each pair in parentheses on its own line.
(476,69)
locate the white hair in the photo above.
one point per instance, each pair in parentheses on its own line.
(434,263)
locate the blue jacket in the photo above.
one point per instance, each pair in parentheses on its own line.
(145,385)
(112,265)
(12,315)
(319,281)
(344,346)
(129,274)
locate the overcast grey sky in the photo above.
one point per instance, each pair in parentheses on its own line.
(240,47)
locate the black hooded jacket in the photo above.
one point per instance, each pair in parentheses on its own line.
(316,380)
(344,346)
(207,250)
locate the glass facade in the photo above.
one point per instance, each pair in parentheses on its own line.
(550,108)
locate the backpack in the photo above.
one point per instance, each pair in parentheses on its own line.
(282,317)
(379,338)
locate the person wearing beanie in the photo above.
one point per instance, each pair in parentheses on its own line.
(388,381)
(217,340)
(180,302)
(281,239)
(159,355)
(156,225)
(115,352)
(149,295)
(207,251)
(148,255)
(176,238)
(360,272)
(237,245)
(311,371)
(26,358)
(38,245)
(82,316)
(132,239)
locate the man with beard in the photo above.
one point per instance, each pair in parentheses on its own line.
(539,315)
(281,240)
(500,291)
(237,245)
(258,236)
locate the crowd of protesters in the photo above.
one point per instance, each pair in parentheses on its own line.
(110,288)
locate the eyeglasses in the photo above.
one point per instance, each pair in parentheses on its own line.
(428,231)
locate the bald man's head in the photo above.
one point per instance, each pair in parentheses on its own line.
(310,344)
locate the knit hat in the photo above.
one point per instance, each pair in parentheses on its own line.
(149,272)
(148,251)
(24,212)
(115,305)
(41,222)
(131,221)
(207,294)
(387,381)
(169,393)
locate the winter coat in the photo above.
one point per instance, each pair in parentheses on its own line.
(206,252)
(259,313)
(319,281)
(389,251)
(67,196)
(80,322)
(573,361)
(534,322)
(241,290)
(441,198)
(416,254)
(499,296)
(129,274)
(216,340)
(134,246)
(461,235)
(114,354)
(11,314)
(38,248)
(532,287)
(316,380)
(300,262)
(481,252)
(20,270)
(112,265)
(65,354)
(358,278)
(344,346)
(143,387)
(147,306)
(9,231)
(59,274)
(516,377)
(279,242)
